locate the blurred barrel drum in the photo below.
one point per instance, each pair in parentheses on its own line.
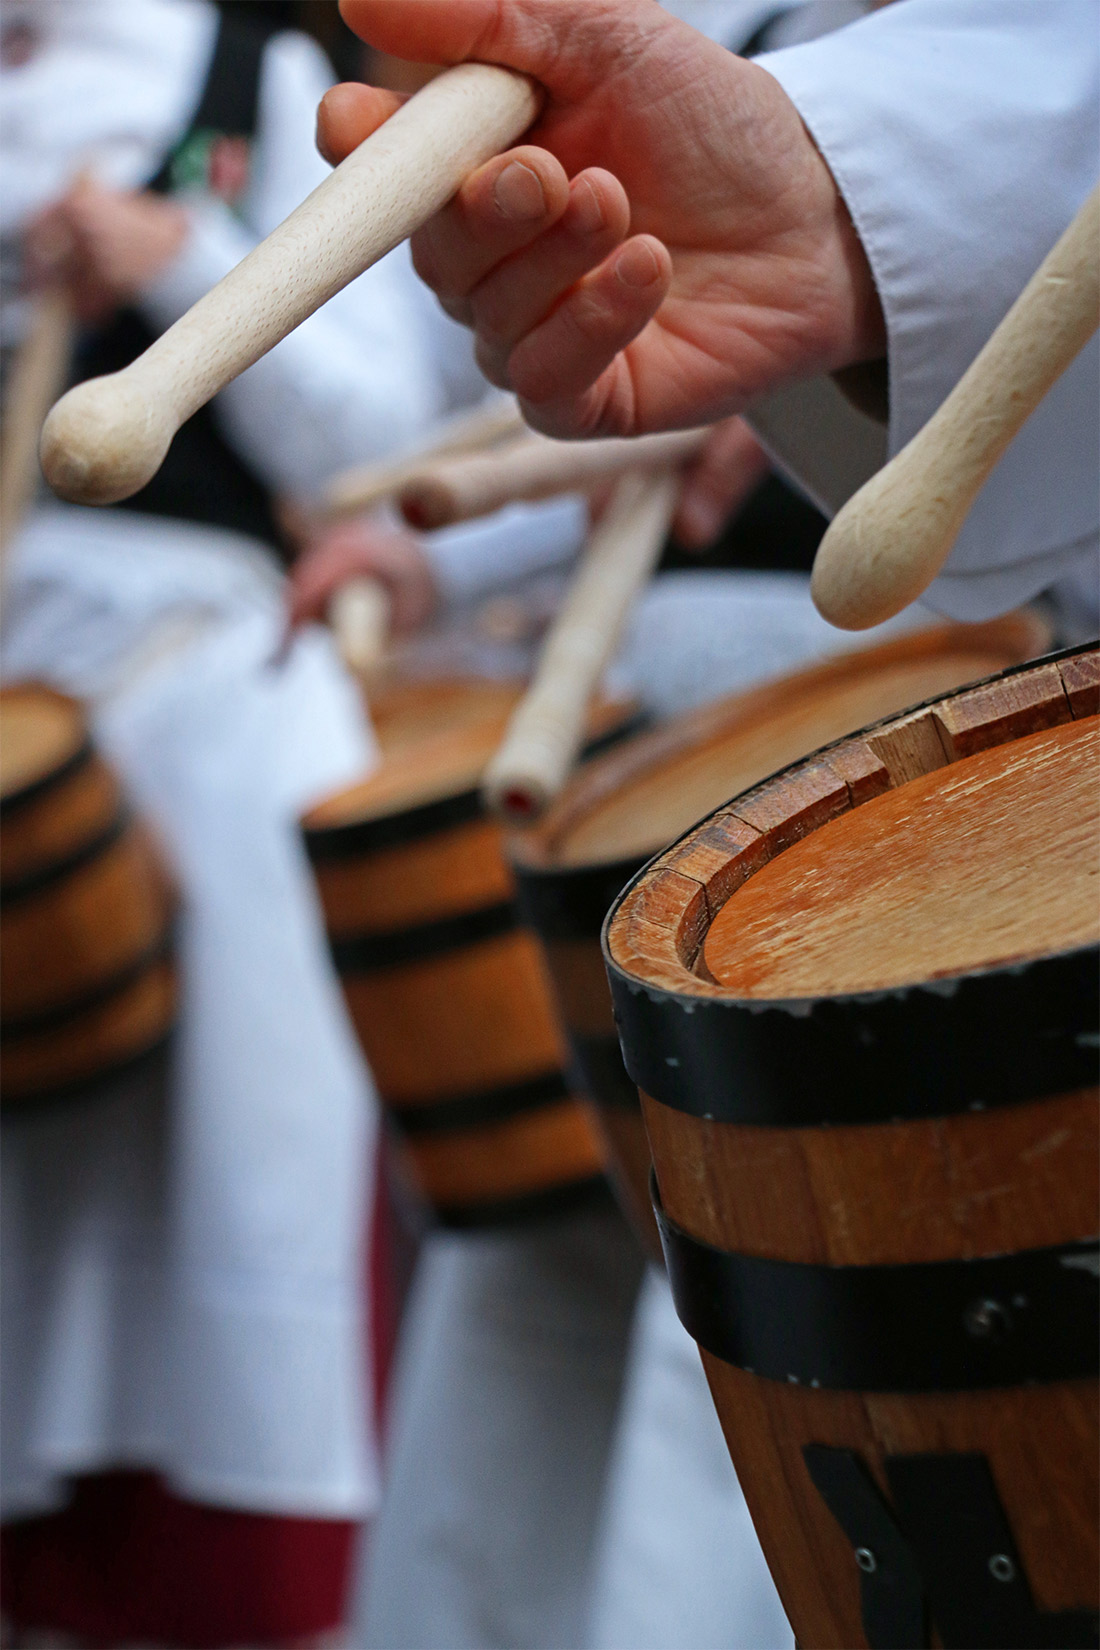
(860,1001)
(87,978)
(447,990)
(631,802)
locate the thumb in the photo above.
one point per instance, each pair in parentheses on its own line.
(347,116)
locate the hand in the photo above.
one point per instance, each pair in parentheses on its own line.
(356,549)
(667,246)
(717,483)
(104,246)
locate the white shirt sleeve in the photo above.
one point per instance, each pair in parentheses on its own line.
(356,380)
(963,135)
(479,557)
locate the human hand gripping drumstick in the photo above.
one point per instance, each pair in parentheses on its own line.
(891,539)
(360,611)
(547,727)
(106,438)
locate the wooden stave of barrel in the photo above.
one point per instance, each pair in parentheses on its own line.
(734,1185)
(565,896)
(89,988)
(420,909)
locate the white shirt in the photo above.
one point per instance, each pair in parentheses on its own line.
(963,135)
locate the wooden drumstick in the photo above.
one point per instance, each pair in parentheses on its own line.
(353,491)
(359,613)
(890,540)
(534,467)
(37,374)
(107,437)
(547,726)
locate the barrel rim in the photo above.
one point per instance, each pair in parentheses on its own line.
(531,850)
(682,1041)
(709,991)
(35,789)
(330,844)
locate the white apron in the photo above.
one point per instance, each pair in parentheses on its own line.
(182,1264)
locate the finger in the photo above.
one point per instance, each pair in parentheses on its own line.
(515,297)
(320,571)
(730,468)
(501,208)
(49,247)
(568,352)
(348,114)
(573,43)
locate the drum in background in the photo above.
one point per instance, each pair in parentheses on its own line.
(861,1003)
(620,810)
(446,990)
(87,979)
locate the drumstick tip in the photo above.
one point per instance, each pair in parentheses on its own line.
(102,442)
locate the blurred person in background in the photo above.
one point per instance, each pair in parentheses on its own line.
(188,1431)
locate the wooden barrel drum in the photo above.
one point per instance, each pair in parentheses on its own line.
(861,1004)
(447,991)
(87,979)
(630,803)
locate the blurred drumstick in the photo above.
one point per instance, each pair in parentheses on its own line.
(890,540)
(38,373)
(107,438)
(359,613)
(547,726)
(533,467)
(359,489)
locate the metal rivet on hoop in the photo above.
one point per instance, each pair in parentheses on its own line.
(867,1561)
(987,1320)
(1001,1567)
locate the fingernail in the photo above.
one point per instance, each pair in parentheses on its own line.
(637,265)
(586,210)
(518,192)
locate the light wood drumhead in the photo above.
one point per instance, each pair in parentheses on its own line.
(964,868)
(436,738)
(644,798)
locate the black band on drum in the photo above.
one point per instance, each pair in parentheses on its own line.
(601,1073)
(137,1066)
(482,1107)
(32,882)
(973,1042)
(330,844)
(527,1208)
(36,788)
(60,1017)
(372,953)
(571,904)
(929,1326)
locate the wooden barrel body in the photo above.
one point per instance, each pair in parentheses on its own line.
(860,1001)
(447,990)
(87,978)
(623,808)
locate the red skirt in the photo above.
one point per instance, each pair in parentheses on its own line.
(127,1561)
